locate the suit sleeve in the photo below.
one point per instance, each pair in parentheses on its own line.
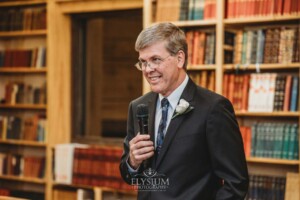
(226,151)
(124,169)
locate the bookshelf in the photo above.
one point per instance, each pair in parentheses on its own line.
(21,70)
(213,23)
(97,193)
(59,106)
(22,65)
(32,33)
(231,19)
(23,143)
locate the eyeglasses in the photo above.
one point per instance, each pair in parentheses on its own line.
(153,63)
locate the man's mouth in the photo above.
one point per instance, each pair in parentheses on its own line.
(154,78)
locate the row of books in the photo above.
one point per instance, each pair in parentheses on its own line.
(35,58)
(271,140)
(4,192)
(86,165)
(266,187)
(21,19)
(21,165)
(30,128)
(258,45)
(22,93)
(7,192)
(170,10)
(89,194)
(260,8)
(204,78)
(264,92)
(201,47)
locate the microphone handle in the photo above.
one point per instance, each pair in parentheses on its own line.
(143,123)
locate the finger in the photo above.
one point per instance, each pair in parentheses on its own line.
(144,150)
(142,144)
(143,157)
(139,137)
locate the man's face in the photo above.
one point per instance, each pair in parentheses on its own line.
(164,78)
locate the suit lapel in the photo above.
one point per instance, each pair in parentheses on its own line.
(151,121)
(152,109)
(188,94)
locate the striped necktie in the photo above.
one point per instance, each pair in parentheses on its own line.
(162,124)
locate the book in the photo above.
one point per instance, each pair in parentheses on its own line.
(83,194)
(294,94)
(266,187)
(184,10)
(260,8)
(272,140)
(30,128)
(64,160)
(17,19)
(287,93)
(274,44)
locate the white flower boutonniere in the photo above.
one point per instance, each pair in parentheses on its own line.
(182,108)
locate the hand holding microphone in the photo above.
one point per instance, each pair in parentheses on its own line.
(141,147)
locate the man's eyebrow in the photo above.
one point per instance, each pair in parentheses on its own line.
(141,59)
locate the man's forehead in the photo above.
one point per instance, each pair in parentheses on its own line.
(156,49)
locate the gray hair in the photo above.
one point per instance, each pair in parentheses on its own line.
(174,37)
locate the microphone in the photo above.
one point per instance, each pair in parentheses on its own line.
(142,115)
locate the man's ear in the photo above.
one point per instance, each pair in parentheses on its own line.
(180,58)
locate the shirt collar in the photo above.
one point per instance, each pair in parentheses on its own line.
(173,98)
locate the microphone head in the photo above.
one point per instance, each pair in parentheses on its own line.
(142,110)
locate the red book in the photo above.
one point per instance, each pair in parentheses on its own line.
(245,91)
(201,50)
(195,54)
(280,7)
(76,166)
(287,93)
(248,142)
(225,85)
(8,56)
(287,7)
(231,88)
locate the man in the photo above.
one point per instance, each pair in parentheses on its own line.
(194,138)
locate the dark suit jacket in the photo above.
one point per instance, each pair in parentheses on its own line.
(202,154)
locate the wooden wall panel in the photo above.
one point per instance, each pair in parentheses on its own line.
(112,81)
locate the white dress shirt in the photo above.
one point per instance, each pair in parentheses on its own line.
(173,99)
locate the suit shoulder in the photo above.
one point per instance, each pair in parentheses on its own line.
(210,96)
(143,99)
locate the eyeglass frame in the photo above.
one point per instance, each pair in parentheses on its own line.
(142,65)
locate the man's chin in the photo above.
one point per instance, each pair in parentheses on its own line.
(155,89)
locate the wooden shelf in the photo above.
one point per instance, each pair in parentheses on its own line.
(24,106)
(261,66)
(23,33)
(262,19)
(273,161)
(267,114)
(23,143)
(201,67)
(23,179)
(210,22)
(26,70)
(22,3)
(105,189)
